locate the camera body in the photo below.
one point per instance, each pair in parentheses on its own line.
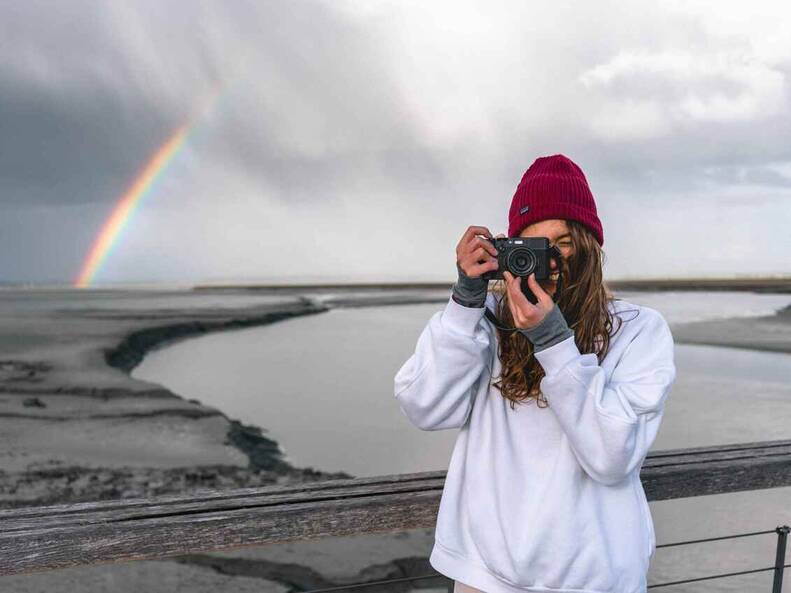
(521,256)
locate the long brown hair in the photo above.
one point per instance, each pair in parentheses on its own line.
(583,301)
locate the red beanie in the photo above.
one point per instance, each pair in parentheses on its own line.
(553,187)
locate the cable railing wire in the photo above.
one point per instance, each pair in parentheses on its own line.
(716,576)
(711,539)
(781,531)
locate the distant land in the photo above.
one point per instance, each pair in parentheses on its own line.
(772,284)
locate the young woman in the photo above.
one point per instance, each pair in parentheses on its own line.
(558,403)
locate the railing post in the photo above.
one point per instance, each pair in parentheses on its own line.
(782,537)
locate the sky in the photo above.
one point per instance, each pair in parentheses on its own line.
(355,141)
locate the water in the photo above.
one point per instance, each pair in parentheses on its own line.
(322,387)
(323,384)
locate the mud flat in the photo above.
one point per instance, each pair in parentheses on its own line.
(74,426)
(769,333)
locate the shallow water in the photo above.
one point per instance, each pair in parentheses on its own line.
(323,384)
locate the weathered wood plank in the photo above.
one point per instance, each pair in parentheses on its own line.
(57,536)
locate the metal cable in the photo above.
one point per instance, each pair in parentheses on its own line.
(716,576)
(711,539)
(438,575)
(692,541)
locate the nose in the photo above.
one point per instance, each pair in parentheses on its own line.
(553,263)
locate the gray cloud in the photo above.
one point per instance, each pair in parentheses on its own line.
(357,116)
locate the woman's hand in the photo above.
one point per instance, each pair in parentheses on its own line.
(470,289)
(474,255)
(526,315)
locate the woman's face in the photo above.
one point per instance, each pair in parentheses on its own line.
(558,234)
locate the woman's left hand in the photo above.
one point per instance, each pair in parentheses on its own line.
(525,313)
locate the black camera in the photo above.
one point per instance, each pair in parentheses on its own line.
(521,256)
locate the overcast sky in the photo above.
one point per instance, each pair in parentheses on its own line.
(358,140)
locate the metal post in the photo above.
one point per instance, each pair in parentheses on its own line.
(782,537)
(451,585)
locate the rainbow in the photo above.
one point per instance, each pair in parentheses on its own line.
(129,202)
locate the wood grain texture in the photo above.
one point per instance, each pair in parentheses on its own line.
(58,536)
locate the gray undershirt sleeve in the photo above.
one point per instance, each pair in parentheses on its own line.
(470,292)
(552,329)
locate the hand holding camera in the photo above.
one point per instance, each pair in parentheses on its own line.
(473,257)
(476,255)
(483,258)
(527,257)
(527,315)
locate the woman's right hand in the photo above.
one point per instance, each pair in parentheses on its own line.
(475,255)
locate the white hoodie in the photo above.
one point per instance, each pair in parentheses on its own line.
(542,499)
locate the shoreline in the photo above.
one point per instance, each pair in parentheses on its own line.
(58,386)
(767,333)
(774,284)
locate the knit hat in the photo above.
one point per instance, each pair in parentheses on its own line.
(553,187)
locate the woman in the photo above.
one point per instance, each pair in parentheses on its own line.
(543,497)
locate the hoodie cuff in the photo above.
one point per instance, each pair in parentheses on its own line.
(461,319)
(552,329)
(557,356)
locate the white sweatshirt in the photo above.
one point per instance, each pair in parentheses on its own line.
(542,499)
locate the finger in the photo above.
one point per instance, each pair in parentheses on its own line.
(474,261)
(472,231)
(482,255)
(478,269)
(540,293)
(485,244)
(513,286)
(509,280)
(524,306)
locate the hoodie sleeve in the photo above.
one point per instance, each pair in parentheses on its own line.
(611,424)
(435,387)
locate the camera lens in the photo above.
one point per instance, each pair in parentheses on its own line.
(521,261)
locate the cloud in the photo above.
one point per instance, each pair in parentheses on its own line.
(344,117)
(653,94)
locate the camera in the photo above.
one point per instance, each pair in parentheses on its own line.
(521,256)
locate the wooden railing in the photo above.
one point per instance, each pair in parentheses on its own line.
(59,536)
